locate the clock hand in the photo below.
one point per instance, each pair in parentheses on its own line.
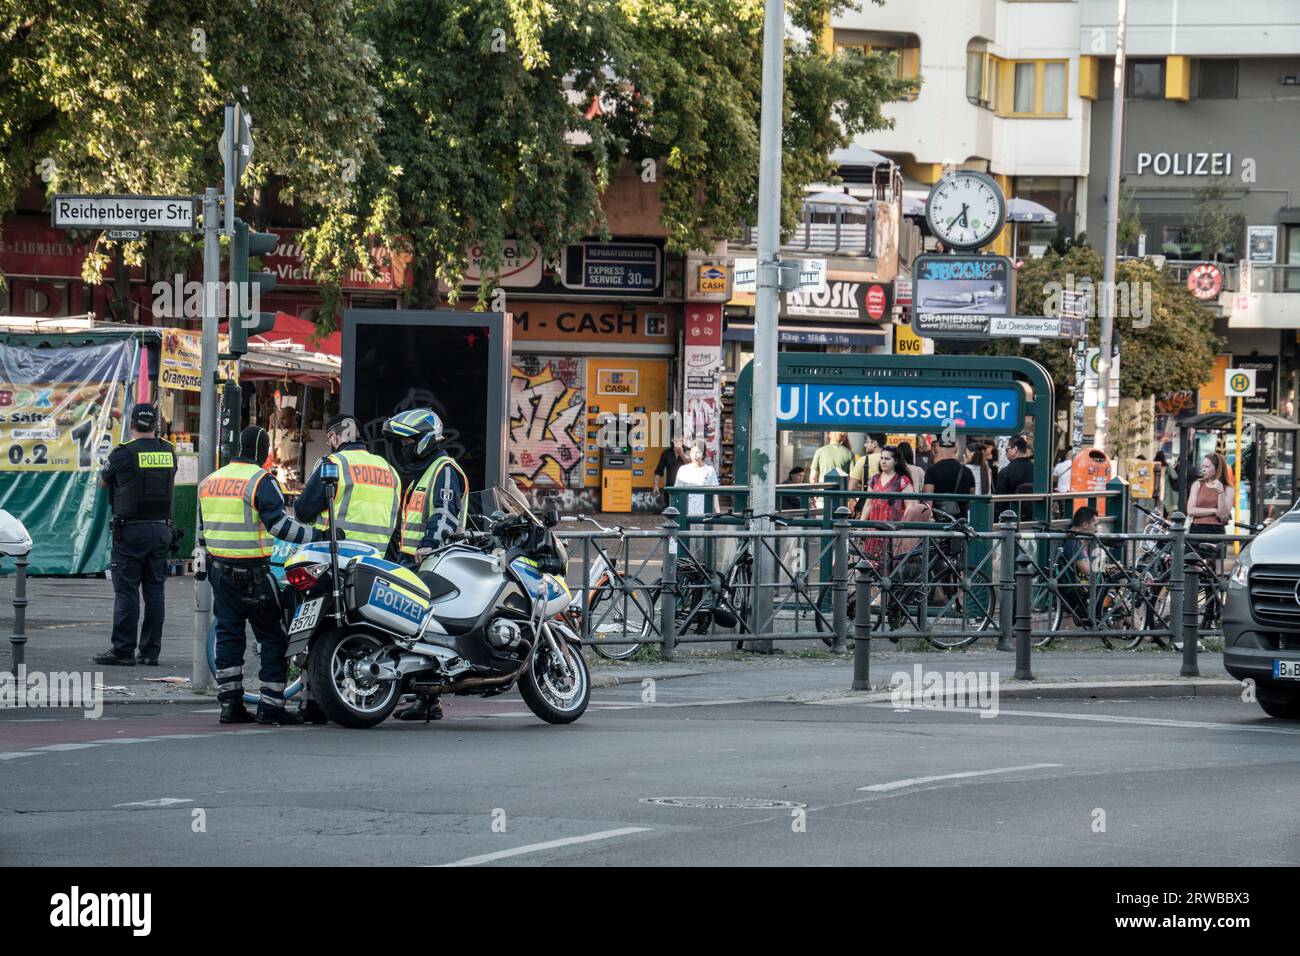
(965,222)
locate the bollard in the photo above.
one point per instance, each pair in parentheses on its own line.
(18,639)
(1177,576)
(862,629)
(840,582)
(1024,615)
(1191,624)
(668,591)
(1007,580)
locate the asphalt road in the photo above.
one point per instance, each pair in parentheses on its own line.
(1197,781)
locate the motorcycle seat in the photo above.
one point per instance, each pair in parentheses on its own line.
(438,585)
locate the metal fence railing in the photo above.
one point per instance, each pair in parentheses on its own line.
(1020,584)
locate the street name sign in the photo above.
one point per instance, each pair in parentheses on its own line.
(148,213)
(936,325)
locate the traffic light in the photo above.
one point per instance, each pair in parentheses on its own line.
(244,322)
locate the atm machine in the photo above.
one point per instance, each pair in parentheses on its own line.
(615,463)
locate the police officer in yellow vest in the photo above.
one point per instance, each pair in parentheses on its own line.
(436,505)
(368,497)
(140,474)
(241,512)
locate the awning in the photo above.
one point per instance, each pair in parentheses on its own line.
(1218,421)
(790,333)
(291,330)
(292,365)
(1026,210)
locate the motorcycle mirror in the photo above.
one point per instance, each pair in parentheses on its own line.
(329,471)
(551,517)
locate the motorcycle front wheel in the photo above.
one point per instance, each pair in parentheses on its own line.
(348,698)
(552,695)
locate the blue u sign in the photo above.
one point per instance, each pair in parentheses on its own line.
(993,408)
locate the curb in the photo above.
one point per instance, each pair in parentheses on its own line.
(614,680)
(1076,690)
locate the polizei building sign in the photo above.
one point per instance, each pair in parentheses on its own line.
(1184,164)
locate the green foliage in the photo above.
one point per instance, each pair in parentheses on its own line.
(1173,349)
(1213,225)
(479,97)
(121,96)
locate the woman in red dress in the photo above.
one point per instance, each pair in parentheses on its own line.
(891,478)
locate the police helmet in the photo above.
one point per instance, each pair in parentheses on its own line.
(415,434)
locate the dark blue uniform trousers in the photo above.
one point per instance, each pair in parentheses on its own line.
(139,563)
(249,594)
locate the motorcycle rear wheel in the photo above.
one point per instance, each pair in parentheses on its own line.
(548,693)
(346,701)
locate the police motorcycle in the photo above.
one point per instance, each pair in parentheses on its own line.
(478,618)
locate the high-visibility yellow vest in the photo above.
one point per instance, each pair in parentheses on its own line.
(232,527)
(367,500)
(419,503)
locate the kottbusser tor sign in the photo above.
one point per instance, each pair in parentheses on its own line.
(869,407)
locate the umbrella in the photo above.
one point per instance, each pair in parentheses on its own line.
(914,204)
(855,155)
(832,200)
(1025,210)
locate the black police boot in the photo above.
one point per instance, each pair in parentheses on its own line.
(233,711)
(422,708)
(312,713)
(266,714)
(149,661)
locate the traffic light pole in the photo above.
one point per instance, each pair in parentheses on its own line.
(1105,370)
(201,676)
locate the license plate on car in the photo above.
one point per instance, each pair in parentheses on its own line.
(1286,670)
(305,618)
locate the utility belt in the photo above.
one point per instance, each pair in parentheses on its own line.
(118,525)
(245,575)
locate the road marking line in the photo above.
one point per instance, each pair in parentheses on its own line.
(1117,719)
(14,755)
(548,845)
(918,781)
(77,746)
(159,802)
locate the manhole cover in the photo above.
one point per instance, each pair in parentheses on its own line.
(724,803)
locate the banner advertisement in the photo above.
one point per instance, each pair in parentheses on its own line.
(61,409)
(182,356)
(701,393)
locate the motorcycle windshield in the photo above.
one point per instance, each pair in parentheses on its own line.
(497,501)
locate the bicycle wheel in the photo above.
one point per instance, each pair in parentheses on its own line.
(619,613)
(959,613)
(824,617)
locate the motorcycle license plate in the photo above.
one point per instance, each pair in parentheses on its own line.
(305,618)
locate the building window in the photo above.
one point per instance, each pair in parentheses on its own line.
(1146,79)
(1218,80)
(1025,86)
(982,70)
(902,50)
(1038,87)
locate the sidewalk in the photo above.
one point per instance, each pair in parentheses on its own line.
(69,620)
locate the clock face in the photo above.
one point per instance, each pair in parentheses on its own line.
(965,210)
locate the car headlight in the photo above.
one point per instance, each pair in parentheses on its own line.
(1241,570)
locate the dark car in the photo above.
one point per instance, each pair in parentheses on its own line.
(1261,617)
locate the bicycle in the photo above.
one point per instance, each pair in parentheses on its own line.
(931,580)
(617,606)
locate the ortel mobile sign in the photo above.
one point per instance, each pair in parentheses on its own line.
(974,408)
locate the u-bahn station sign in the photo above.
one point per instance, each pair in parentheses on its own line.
(147,213)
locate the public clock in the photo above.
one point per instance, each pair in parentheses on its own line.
(965,210)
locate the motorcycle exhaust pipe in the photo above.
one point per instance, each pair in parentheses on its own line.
(376,671)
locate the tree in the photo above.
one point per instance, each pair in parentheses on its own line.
(1213,226)
(506,119)
(1166,336)
(119,96)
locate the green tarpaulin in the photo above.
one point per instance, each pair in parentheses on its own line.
(66,514)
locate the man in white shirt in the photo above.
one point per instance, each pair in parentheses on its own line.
(696,472)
